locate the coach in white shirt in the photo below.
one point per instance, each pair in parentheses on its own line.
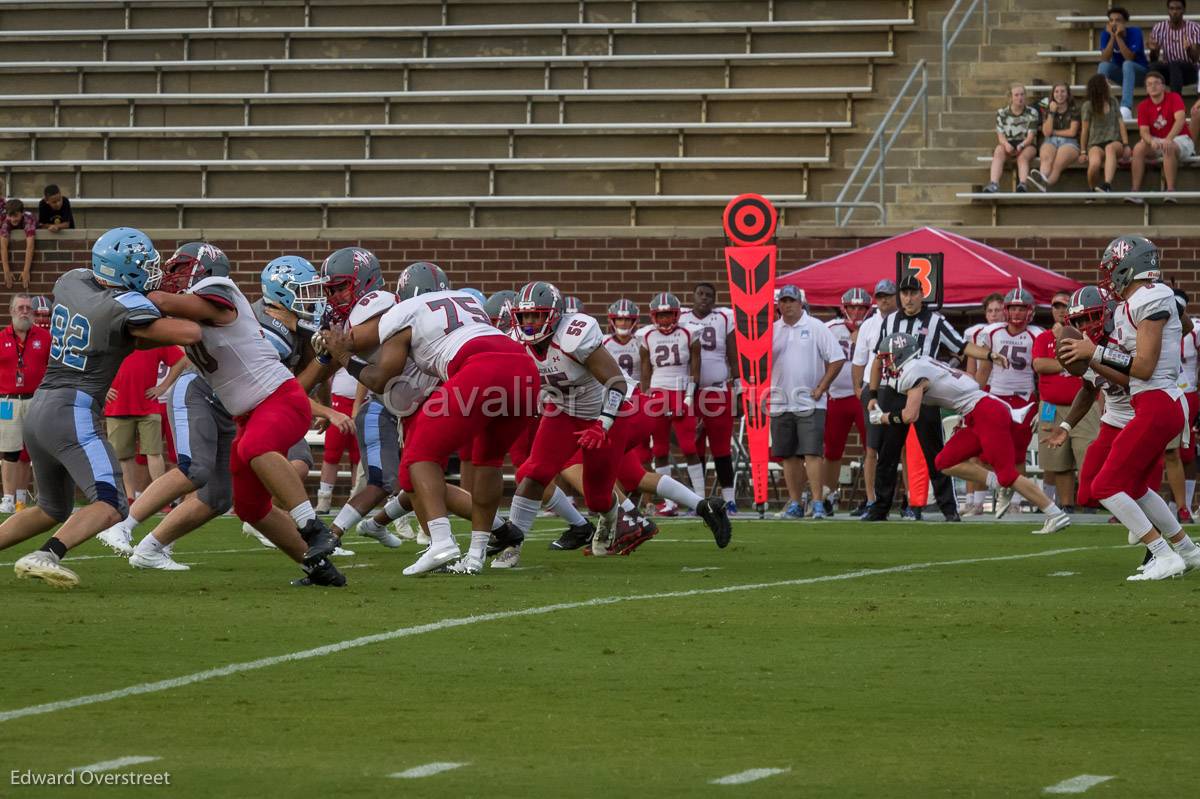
(860,367)
(806,360)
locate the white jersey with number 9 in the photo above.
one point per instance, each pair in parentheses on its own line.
(628,356)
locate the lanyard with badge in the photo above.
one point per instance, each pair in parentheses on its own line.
(20,379)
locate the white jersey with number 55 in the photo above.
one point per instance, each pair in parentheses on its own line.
(442,322)
(713,331)
(566,381)
(670,356)
(1018,378)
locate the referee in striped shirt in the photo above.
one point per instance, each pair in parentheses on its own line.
(935,335)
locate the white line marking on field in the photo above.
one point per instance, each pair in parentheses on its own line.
(427,770)
(188,554)
(120,762)
(700,569)
(751,775)
(358,566)
(525,568)
(1077,784)
(1062,574)
(446,624)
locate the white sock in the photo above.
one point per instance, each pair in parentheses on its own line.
(393,508)
(497,522)
(148,545)
(128,523)
(303,513)
(1051,492)
(991,482)
(1052,509)
(1128,513)
(478,544)
(980,497)
(523,512)
(1185,546)
(325,489)
(561,505)
(23,495)
(439,533)
(9,498)
(347,517)
(1158,547)
(696,475)
(627,505)
(1189,491)
(1159,513)
(672,490)
(727,494)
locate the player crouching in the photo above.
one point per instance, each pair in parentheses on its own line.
(989,429)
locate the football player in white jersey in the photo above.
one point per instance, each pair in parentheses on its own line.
(714,396)
(1180,459)
(993,312)
(621,342)
(991,429)
(1148,329)
(1014,382)
(843,409)
(670,356)
(489,390)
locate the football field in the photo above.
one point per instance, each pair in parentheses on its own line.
(830,659)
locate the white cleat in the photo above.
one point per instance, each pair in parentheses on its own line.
(338,552)
(434,559)
(1191,560)
(408,529)
(508,558)
(44,566)
(1004,500)
(160,560)
(423,538)
(250,530)
(7,505)
(324,501)
(468,565)
(1160,568)
(369,528)
(118,539)
(1054,524)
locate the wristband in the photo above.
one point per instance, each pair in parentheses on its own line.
(1065,425)
(355,366)
(611,406)
(873,394)
(325,359)
(1113,358)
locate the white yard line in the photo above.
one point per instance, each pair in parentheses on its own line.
(700,569)
(1077,784)
(1062,574)
(71,559)
(427,770)
(446,624)
(120,762)
(750,775)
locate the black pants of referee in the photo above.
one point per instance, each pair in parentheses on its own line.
(929,433)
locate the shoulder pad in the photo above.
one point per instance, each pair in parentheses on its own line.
(371,305)
(578,336)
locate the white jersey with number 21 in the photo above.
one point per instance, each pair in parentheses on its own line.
(670,357)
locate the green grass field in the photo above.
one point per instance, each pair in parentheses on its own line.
(861,660)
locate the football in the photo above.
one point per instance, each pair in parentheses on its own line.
(1076,368)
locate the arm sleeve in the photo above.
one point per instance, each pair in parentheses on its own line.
(136,310)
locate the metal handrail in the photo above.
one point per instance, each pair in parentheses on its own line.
(948,38)
(878,144)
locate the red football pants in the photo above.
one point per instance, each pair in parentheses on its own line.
(989,433)
(338,443)
(714,420)
(1016,401)
(275,425)
(840,415)
(1188,454)
(1139,446)
(669,411)
(1095,458)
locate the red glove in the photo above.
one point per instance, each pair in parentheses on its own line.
(594,436)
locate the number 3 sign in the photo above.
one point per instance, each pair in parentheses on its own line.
(927,269)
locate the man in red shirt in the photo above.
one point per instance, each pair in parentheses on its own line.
(133,410)
(24,353)
(1057,390)
(1164,135)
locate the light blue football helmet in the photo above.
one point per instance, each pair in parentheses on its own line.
(293,283)
(126,257)
(477,294)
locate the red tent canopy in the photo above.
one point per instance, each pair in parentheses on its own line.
(972,270)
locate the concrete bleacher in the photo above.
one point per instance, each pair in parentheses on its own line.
(630,113)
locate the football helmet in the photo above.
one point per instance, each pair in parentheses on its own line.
(1018,307)
(477,294)
(572,305)
(856,304)
(421,278)
(537,312)
(499,307)
(126,257)
(1091,311)
(897,350)
(348,275)
(190,264)
(292,282)
(623,317)
(1126,259)
(664,311)
(41,311)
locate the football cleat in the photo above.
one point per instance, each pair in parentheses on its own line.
(338,552)
(407,527)
(713,514)
(1160,568)
(324,574)
(324,502)
(321,542)
(508,559)
(794,510)
(666,508)
(252,531)
(1185,516)
(1004,500)
(7,505)
(632,531)
(161,560)
(1192,559)
(467,565)
(578,535)
(503,537)
(432,558)
(118,539)
(423,538)
(369,528)
(1054,524)
(731,508)
(44,566)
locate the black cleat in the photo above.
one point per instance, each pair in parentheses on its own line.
(875,515)
(323,574)
(828,503)
(713,514)
(575,536)
(503,537)
(321,542)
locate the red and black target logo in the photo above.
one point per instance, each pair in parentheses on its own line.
(750,220)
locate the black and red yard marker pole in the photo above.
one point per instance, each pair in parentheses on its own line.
(750,259)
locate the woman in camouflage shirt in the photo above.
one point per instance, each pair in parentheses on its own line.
(1016,129)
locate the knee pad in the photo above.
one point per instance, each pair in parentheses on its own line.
(11,457)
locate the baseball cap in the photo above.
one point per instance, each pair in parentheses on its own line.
(791,292)
(910,283)
(885,287)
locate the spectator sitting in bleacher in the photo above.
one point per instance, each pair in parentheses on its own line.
(1016,128)
(1061,129)
(1122,57)
(1103,136)
(1163,134)
(1175,47)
